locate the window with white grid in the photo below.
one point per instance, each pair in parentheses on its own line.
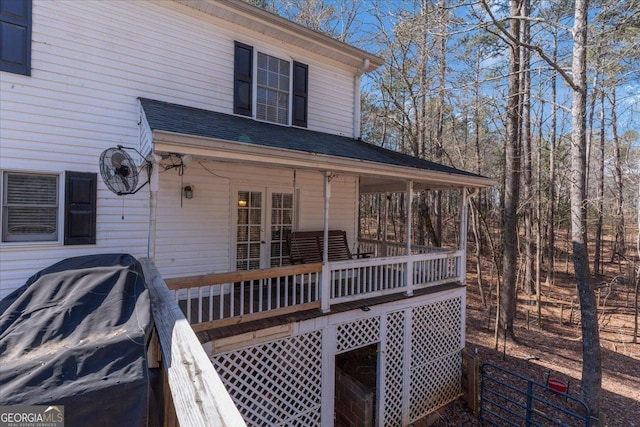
(272,100)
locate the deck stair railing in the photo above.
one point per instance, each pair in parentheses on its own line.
(194,394)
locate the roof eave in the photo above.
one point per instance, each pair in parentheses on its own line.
(233,151)
(265,22)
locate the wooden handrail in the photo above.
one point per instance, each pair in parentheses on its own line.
(241,276)
(199,396)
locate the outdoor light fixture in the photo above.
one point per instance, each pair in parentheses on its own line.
(188,191)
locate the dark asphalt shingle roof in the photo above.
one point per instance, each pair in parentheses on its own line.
(168,117)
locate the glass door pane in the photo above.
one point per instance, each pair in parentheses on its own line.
(249,227)
(281,225)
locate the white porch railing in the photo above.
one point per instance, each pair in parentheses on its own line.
(382,249)
(228,298)
(370,277)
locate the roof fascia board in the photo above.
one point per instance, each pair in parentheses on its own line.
(171,142)
(235,10)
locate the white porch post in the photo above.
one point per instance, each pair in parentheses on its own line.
(409,272)
(153,207)
(327,398)
(151,237)
(382,371)
(325,295)
(406,365)
(384,225)
(463,236)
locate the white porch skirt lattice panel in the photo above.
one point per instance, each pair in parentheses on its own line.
(436,357)
(276,383)
(284,382)
(393,370)
(357,334)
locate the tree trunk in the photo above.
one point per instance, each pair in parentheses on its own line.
(551,242)
(512,182)
(600,170)
(619,244)
(529,249)
(591,367)
(600,195)
(635,293)
(539,220)
(439,149)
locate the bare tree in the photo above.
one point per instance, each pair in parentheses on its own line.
(591,363)
(637,282)
(551,221)
(591,367)
(619,249)
(512,178)
(526,151)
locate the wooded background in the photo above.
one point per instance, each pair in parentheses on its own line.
(542,96)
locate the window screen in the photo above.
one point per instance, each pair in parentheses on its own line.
(30,207)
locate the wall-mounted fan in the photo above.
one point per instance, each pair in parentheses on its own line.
(119,171)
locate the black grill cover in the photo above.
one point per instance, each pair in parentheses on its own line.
(76,335)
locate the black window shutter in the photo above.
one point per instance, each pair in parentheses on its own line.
(80,208)
(242,82)
(300,94)
(15,36)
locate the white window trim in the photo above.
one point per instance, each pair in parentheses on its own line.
(254,84)
(60,205)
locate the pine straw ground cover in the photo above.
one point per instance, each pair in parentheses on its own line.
(557,347)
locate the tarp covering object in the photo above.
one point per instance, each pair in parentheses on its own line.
(76,335)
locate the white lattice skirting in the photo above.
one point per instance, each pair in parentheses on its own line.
(280,383)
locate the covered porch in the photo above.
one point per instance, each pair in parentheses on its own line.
(373,268)
(327,176)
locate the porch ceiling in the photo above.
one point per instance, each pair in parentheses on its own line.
(223,137)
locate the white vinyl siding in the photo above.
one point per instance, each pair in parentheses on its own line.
(196,236)
(91,60)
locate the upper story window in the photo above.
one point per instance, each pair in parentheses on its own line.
(15,36)
(278,94)
(272,100)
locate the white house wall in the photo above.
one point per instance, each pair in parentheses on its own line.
(195,236)
(91,60)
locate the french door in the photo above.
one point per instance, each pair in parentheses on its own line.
(264,218)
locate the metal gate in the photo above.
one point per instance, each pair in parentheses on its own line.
(509,399)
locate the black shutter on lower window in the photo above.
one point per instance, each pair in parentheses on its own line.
(242,79)
(15,36)
(80,208)
(300,94)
